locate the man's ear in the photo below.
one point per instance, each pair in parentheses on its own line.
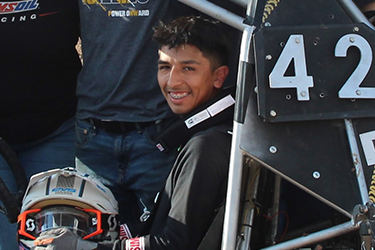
(221,74)
(368,7)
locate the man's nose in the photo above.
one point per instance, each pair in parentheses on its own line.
(175,78)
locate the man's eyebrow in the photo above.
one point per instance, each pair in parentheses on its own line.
(183,62)
(190,62)
(162,62)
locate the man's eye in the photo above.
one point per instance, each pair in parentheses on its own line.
(163,67)
(189,69)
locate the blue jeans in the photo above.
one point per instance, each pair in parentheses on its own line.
(129,164)
(54,151)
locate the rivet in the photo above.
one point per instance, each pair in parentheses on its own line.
(273,150)
(316,175)
(273,113)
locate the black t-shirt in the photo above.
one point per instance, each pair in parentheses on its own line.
(38,67)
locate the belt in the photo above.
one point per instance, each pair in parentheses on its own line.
(118,127)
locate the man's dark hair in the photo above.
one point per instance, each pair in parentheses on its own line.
(208,36)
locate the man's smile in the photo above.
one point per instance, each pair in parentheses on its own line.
(178,95)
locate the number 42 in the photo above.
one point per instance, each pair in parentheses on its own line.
(295,50)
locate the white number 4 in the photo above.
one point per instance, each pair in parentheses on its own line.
(294,49)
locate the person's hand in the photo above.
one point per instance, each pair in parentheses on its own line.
(62,239)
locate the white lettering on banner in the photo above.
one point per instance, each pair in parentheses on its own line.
(18,19)
(197,118)
(219,106)
(367,140)
(143,13)
(117,13)
(128,13)
(211,111)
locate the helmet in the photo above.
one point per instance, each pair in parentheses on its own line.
(67,198)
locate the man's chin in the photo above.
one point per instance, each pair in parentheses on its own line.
(179,110)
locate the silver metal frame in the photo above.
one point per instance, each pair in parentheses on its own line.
(229,241)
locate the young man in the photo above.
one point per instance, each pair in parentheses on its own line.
(193,54)
(120,107)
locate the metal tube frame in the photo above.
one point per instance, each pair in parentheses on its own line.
(236,160)
(316,237)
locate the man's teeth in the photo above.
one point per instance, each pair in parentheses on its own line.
(178,95)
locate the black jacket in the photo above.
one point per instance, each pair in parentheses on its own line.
(193,193)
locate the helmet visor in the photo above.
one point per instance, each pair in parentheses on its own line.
(76,220)
(83,222)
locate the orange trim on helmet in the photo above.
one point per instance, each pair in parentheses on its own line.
(22,222)
(99,229)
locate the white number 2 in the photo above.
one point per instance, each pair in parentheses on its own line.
(351,88)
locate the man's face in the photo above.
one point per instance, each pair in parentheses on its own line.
(186,79)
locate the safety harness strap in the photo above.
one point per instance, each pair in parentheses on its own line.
(213,112)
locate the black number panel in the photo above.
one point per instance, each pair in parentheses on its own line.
(315,72)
